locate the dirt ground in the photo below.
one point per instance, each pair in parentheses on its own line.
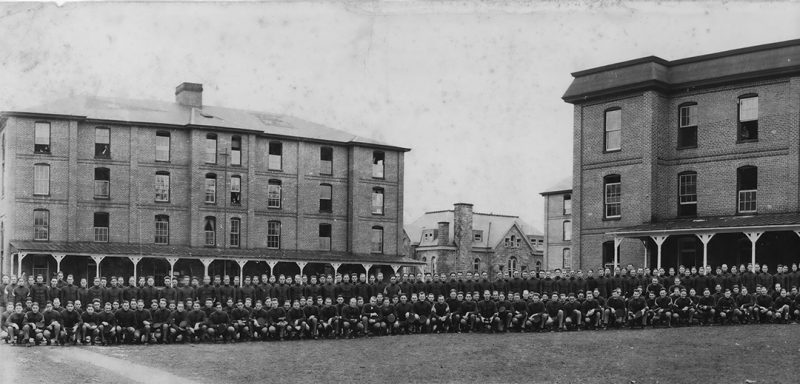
(735,354)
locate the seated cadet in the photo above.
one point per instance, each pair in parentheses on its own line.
(537,314)
(277,321)
(350,319)
(782,307)
(725,307)
(487,314)
(258,321)
(196,323)
(405,315)
(454,304)
(651,306)
(614,313)
(705,308)
(9,310)
(219,325)
(15,324)
(177,323)
(440,316)
(591,311)
(240,319)
(143,322)
(126,322)
(572,312)
(763,308)
(744,306)
(663,309)
(89,330)
(504,311)
(683,308)
(298,326)
(329,319)
(468,313)
(519,312)
(370,315)
(311,311)
(52,324)
(388,316)
(555,314)
(71,324)
(422,313)
(106,325)
(637,309)
(34,325)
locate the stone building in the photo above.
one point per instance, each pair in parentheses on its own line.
(558,226)
(693,161)
(462,240)
(121,187)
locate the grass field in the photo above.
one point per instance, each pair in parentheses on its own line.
(735,354)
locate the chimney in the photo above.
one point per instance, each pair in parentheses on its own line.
(444,233)
(462,233)
(189,94)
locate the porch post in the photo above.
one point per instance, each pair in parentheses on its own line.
(659,241)
(336,267)
(172,261)
(395,268)
(705,238)
(366,268)
(302,265)
(97,260)
(206,262)
(241,263)
(617,242)
(135,260)
(272,264)
(753,236)
(20,256)
(58,257)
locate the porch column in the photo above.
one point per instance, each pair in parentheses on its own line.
(366,268)
(97,260)
(206,262)
(241,263)
(659,242)
(135,260)
(705,238)
(395,268)
(58,257)
(617,242)
(302,265)
(172,261)
(644,243)
(336,267)
(20,256)
(272,265)
(753,236)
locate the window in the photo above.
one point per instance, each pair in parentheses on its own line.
(613,196)
(325,237)
(433,264)
(211,148)
(162,186)
(101,221)
(477,236)
(274,194)
(567,228)
(236,150)
(211,188)
(746,187)
(687,194)
(378,164)
(210,229)
(608,253)
(476,265)
(102,143)
(567,204)
(377,240)
(274,235)
(236,190)
(162,229)
(275,160)
(377,201)
(236,227)
(566,257)
(41,179)
(687,126)
(162,146)
(326,161)
(41,138)
(41,224)
(430,235)
(325,198)
(512,264)
(507,242)
(613,136)
(748,119)
(102,183)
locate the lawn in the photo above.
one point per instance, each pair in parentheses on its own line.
(735,354)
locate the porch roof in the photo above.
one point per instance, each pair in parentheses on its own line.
(715,224)
(186,252)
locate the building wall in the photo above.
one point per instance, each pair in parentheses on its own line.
(554,243)
(525,255)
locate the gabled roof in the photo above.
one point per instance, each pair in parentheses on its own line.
(172,113)
(494,227)
(563,186)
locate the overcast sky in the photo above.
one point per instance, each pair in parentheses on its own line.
(474,89)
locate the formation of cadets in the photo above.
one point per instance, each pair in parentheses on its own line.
(345,306)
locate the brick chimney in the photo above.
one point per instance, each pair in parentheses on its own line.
(444,233)
(189,94)
(462,227)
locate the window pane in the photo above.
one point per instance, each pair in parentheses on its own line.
(377,240)
(235,228)
(236,184)
(613,127)
(275,156)
(567,230)
(211,150)
(613,198)
(377,201)
(748,109)
(162,147)
(41,140)
(41,179)
(613,140)
(567,204)
(567,257)
(274,234)
(688,116)
(210,231)
(162,187)
(101,136)
(274,194)
(162,230)
(211,190)
(688,188)
(41,225)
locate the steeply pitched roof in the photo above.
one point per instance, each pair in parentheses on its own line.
(494,227)
(565,185)
(171,113)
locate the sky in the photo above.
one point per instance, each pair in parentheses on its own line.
(473,88)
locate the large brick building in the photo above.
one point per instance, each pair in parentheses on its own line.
(460,240)
(93,185)
(558,226)
(693,161)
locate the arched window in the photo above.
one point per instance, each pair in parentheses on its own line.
(566,257)
(274,193)
(512,264)
(236,190)
(747,188)
(162,229)
(41,224)
(211,188)
(476,264)
(162,186)
(211,148)
(210,229)
(433,264)
(687,125)
(101,221)
(612,197)
(377,239)
(613,130)
(567,229)
(687,194)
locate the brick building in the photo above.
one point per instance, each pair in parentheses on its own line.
(462,240)
(558,226)
(111,186)
(692,161)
